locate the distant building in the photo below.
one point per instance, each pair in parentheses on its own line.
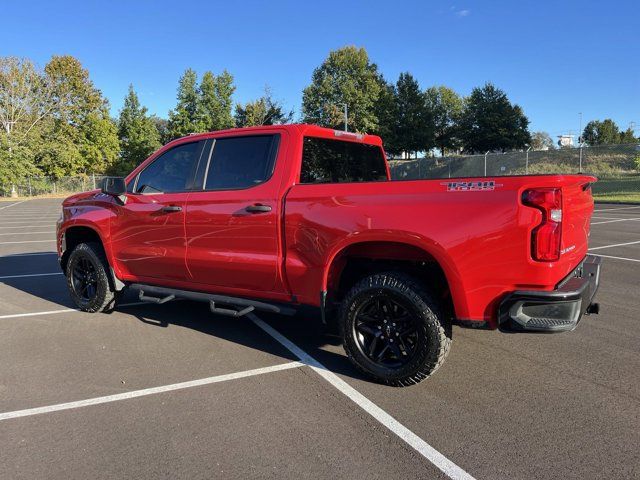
(565,140)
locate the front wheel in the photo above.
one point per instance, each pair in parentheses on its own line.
(393,330)
(88,280)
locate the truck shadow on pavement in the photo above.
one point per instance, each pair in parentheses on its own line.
(305,329)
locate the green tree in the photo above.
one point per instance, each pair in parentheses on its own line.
(345,77)
(446,107)
(604,132)
(386,111)
(414,128)
(541,141)
(162,126)
(263,111)
(215,100)
(628,136)
(489,122)
(79,136)
(137,132)
(186,118)
(25,102)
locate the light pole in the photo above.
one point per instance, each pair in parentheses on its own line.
(485,162)
(346,117)
(580,131)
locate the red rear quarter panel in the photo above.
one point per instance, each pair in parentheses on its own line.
(481,239)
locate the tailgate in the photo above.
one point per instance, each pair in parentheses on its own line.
(576,218)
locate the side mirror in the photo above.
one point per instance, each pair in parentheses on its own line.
(114,186)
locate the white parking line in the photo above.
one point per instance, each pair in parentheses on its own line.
(149,391)
(618,258)
(26,233)
(418,444)
(615,245)
(635,219)
(27,254)
(53,240)
(67,310)
(12,205)
(22,227)
(31,275)
(615,209)
(30,223)
(37,314)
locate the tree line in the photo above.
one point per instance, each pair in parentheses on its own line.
(55,122)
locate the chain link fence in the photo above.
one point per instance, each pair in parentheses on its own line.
(48,186)
(616,166)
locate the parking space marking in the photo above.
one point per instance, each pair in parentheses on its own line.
(67,310)
(612,220)
(615,245)
(27,254)
(22,227)
(615,209)
(30,223)
(414,441)
(618,258)
(26,233)
(36,314)
(12,205)
(53,240)
(31,275)
(149,391)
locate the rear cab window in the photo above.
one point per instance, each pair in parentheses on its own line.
(339,161)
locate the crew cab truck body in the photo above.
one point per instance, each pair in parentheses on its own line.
(265,217)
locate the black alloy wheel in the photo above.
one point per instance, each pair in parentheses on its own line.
(385,331)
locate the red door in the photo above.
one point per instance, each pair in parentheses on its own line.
(148,237)
(232,224)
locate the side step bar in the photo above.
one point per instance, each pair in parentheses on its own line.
(161,295)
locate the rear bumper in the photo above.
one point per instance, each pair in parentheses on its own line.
(558,310)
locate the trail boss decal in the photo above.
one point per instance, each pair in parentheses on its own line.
(475,186)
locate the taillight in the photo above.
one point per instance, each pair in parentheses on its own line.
(546,237)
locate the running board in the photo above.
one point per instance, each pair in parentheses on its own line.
(161,295)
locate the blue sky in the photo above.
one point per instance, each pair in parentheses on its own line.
(553,58)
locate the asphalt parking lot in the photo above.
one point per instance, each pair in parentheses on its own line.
(173,391)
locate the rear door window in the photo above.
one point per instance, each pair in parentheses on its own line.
(337,161)
(241,162)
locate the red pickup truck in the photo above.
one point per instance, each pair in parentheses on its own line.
(272,218)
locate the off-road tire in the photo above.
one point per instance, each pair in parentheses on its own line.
(104,298)
(430,323)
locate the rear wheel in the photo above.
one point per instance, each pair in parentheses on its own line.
(88,280)
(393,330)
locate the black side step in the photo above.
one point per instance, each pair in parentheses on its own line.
(160,295)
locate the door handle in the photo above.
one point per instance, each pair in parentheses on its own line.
(258,208)
(171,209)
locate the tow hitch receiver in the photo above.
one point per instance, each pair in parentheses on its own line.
(593,308)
